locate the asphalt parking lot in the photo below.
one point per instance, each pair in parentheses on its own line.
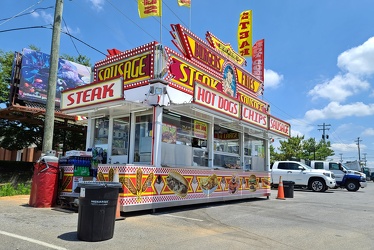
(337,219)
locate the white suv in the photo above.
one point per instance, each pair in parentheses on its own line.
(318,180)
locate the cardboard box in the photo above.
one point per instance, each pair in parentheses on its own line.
(78,153)
(77,179)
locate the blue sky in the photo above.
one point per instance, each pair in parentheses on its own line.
(319,55)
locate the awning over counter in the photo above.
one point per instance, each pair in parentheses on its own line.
(117,108)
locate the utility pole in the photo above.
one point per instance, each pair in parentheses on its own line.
(324,128)
(365,159)
(341,158)
(358,146)
(49,119)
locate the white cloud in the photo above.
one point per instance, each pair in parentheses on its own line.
(70,30)
(97,4)
(339,88)
(356,64)
(358,60)
(272,79)
(335,110)
(345,148)
(300,127)
(48,18)
(368,132)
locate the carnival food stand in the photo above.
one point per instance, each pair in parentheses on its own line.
(177,127)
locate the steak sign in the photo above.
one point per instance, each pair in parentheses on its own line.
(93,93)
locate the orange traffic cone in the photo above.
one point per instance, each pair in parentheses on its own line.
(280,189)
(118,210)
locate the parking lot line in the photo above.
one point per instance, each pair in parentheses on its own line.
(32,240)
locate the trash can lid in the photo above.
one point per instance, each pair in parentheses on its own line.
(99,184)
(48,158)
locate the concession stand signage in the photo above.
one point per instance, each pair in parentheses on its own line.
(254,116)
(134,66)
(93,93)
(279,126)
(258,59)
(225,49)
(209,59)
(216,101)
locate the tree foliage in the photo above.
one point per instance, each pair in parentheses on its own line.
(6,62)
(297,148)
(79,59)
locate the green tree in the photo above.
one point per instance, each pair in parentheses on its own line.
(6,62)
(274,156)
(16,135)
(297,148)
(78,59)
(291,149)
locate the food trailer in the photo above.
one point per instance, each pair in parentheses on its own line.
(175,128)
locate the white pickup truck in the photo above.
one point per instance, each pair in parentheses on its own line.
(303,176)
(352,180)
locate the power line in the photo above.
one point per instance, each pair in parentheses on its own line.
(67,30)
(46,27)
(34,10)
(8,19)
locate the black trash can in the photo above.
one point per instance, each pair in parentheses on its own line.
(288,187)
(97,209)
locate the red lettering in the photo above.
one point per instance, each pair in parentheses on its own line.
(108,90)
(87,95)
(71,99)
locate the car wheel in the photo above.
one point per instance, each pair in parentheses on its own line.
(317,185)
(352,186)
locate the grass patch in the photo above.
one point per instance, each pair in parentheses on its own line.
(8,189)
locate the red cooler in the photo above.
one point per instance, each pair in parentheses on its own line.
(44,185)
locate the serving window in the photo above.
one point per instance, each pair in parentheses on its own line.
(101,132)
(226,148)
(184,141)
(120,142)
(254,153)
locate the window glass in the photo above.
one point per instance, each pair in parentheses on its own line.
(226,140)
(318,165)
(293,166)
(283,165)
(333,166)
(143,139)
(101,132)
(226,148)
(120,136)
(254,153)
(182,130)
